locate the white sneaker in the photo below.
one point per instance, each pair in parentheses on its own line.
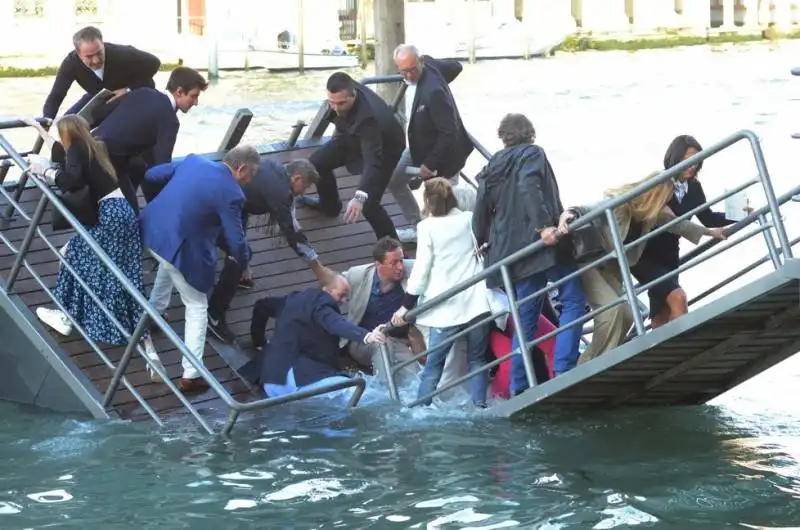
(56,319)
(155,361)
(407,235)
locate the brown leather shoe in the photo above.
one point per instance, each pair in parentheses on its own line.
(192,386)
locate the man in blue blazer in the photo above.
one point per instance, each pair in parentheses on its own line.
(144,126)
(201,204)
(304,351)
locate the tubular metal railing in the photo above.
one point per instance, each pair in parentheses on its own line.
(780,249)
(34,230)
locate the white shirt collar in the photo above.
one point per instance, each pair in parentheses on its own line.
(171,99)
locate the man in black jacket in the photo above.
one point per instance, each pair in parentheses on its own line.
(367,135)
(270,193)
(96,65)
(438,143)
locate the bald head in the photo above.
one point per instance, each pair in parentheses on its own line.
(338,287)
(409,64)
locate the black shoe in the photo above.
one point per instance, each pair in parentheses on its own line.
(246,284)
(221,330)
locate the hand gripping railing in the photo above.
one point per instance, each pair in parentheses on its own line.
(149,313)
(606,209)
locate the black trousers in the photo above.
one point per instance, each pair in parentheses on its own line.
(130,176)
(329,157)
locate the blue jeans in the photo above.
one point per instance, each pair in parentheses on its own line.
(573,302)
(477,341)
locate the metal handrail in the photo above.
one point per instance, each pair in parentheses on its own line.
(235,406)
(630,290)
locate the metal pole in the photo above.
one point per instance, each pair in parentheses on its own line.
(530,374)
(300,37)
(472,22)
(362,33)
(26,243)
(126,359)
(23,179)
(625,271)
(233,415)
(763,174)
(387,367)
(771,247)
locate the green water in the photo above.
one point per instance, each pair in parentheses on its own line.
(603,118)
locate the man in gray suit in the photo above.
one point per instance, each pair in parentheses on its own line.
(376,291)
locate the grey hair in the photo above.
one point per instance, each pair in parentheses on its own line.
(242,155)
(402,48)
(87,34)
(304,168)
(516,129)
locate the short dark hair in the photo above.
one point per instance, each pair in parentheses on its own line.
(87,34)
(340,81)
(677,150)
(439,197)
(186,79)
(385,245)
(516,129)
(304,168)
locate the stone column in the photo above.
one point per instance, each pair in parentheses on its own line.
(727,16)
(751,18)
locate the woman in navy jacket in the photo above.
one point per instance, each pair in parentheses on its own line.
(662,253)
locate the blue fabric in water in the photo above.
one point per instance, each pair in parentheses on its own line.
(272,390)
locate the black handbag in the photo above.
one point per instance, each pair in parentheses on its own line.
(80,204)
(582,245)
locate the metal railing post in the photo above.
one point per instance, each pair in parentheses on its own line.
(233,415)
(126,359)
(23,179)
(26,243)
(386,361)
(625,271)
(530,374)
(770,241)
(769,192)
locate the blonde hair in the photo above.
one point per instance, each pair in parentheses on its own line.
(646,206)
(72,128)
(438,197)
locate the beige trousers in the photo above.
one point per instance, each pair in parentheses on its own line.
(602,286)
(399,351)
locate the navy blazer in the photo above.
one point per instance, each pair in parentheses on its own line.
(125,67)
(437,138)
(200,204)
(269,193)
(665,247)
(306,338)
(143,120)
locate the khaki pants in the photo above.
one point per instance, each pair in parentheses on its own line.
(602,286)
(399,351)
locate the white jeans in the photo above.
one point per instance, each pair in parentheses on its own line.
(196,309)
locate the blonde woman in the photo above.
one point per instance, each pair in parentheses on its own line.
(116,231)
(445,258)
(604,284)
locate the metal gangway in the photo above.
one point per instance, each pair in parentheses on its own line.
(727,341)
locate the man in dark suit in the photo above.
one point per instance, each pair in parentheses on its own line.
(438,143)
(369,140)
(141,131)
(181,229)
(304,350)
(96,65)
(270,193)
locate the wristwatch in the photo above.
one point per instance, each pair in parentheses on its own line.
(360,196)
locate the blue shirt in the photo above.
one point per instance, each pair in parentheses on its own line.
(381,306)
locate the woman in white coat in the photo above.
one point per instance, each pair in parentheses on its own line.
(445,258)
